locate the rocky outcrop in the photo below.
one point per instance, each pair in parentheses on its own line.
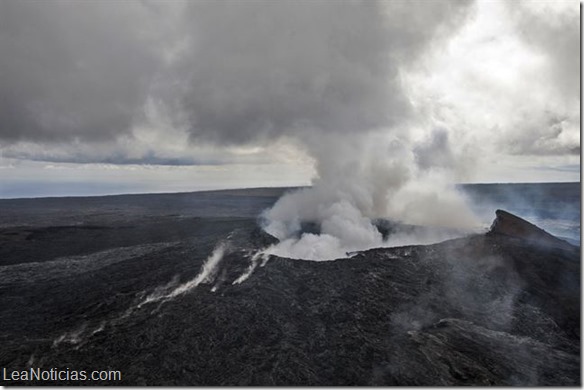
(507,224)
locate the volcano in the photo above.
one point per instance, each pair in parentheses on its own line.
(500,308)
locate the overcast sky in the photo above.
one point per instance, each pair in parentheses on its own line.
(109,97)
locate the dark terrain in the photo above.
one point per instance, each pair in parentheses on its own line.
(111,283)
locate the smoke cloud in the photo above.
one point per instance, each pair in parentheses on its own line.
(259,70)
(327,77)
(338,94)
(364,88)
(150,75)
(74,70)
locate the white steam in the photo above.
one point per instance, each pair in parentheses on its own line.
(206,275)
(361,179)
(254,262)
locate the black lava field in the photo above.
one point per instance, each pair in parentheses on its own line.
(113,283)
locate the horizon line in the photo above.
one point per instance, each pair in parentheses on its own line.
(243,188)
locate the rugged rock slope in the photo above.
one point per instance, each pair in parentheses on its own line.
(496,309)
(507,224)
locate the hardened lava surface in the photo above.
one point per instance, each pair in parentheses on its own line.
(501,308)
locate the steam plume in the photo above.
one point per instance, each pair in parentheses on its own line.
(325,75)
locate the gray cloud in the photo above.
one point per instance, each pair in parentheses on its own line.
(229,72)
(73,69)
(556,35)
(545,134)
(118,158)
(261,69)
(233,72)
(435,151)
(562,168)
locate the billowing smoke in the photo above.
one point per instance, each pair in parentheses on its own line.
(361,180)
(326,76)
(364,88)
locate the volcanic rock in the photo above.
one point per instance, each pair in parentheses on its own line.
(486,309)
(511,225)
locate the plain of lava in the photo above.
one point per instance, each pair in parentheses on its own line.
(170,290)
